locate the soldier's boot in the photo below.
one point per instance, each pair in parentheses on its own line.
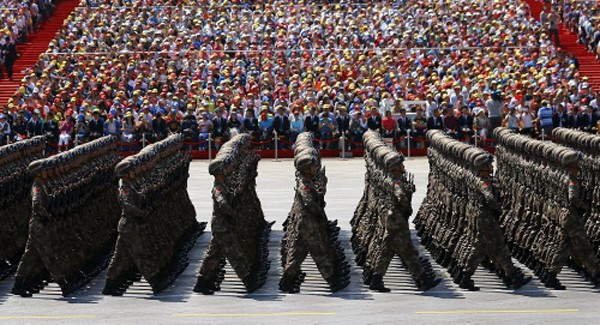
(518,279)
(111,287)
(467,283)
(302,276)
(427,281)
(287,284)
(338,282)
(377,283)
(203,286)
(367,275)
(251,282)
(553,282)
(20,288)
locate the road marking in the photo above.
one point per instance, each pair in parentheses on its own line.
(499,311)
(258,314)
(48,317)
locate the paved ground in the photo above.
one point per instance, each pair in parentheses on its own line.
(445,304)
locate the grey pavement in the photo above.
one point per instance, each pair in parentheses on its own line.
(445,304)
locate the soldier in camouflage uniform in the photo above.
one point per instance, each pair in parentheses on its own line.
(240,233)
(380,224)
(543,220)
(74,217)
(158,223)
(307,229)
(458,220)
(15,199)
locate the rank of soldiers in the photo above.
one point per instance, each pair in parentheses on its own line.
(543,217)
(74,218)
(380,227)
(307,229)
(15,199)
(158,224)
(589,180)
(240,233)
(458,219)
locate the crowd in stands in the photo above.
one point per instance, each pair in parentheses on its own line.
(582,18)
(17,20)
(134,68)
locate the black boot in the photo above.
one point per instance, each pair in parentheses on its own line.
(467,283)
(203,286)
(377,283)
(427,282)
(251,282)
(20,288)
(519,279)
(287,284)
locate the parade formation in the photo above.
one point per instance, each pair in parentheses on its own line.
(380,223)
(307,229)
(74,216)
(458,220)
(158,223)
(240,233)
(65,215)
(543,210)
(15,199)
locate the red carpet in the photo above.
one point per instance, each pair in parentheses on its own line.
(37,43)
(588,65)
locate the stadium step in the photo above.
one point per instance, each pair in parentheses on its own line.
(36,44)
(588,65)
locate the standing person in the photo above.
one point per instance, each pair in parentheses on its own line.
(326,128)
(527,119)
(481,123)
(10,56)
(219,128)
(375,122)
(560,118)
(35,126)
(296,125)
(358,127)
(494,107)
(512,120)
(553,26)
(5,130)
(465,124)
(19,128)
(435,122)
(544,118)
(250,125)
(51,128)
(404,123)
(389,125)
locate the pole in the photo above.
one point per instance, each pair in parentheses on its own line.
(543,135)
(408,143)
(475,138)
(343,139)
(143,140)
(209,147)
(276,140)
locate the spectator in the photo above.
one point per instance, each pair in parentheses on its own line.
(219,128)
(189,127)
(281,125)
(296,125)
(66,130)
(128,132)
(481,123)
(35,126)
(251,125)
(326,130)
(527,118)
(404,123)
(375,122)
(5,130)
(265,125)
(511,120)
(234,125)
(544,118)
(9,56)
(560,118)
(51,129)
(389,125)
(81,129)
(358,126)
(311,122)
(159,127)
(450,122)
(435,122)
(112,126)
(95,125)
(465,124)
